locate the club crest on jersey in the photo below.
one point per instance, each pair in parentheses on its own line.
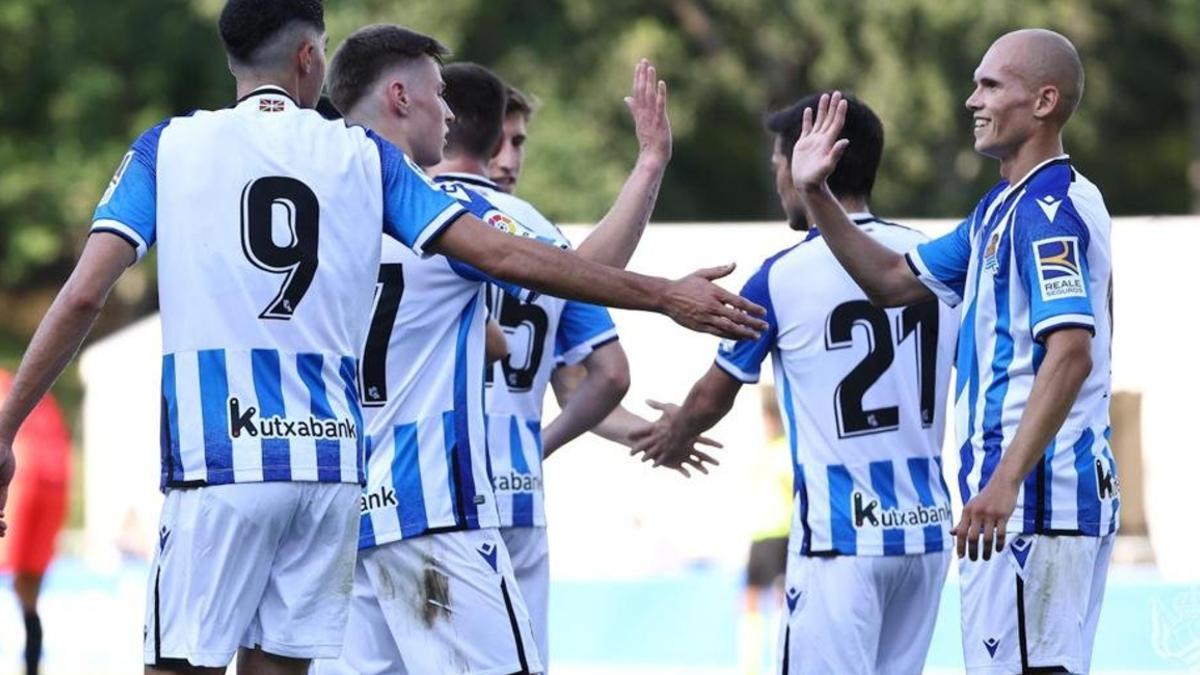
(1058,267)
(868,513)
(249,423)
(270,105)
(991,261)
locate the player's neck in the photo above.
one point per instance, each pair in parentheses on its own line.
(459,164)
(247,85)
(1038,149)
(854,204)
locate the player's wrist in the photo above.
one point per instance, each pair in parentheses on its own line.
(652,161)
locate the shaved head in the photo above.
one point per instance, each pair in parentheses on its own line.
(1043,58)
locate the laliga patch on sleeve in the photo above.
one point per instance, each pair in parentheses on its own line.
(1059,272)
(419,171)
(116,179)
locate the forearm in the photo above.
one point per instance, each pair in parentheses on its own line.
(54,344)
(547,269)
(619,426)
(701,410)
(1055,388)
(882,273)
(66,324)
(617,235)
(587,407)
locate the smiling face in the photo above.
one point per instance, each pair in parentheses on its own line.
(1003,103)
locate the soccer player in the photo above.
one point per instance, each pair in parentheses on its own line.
(39,506)
(267,219)
(429,513)
(862,390)
(1032,268)
(637,195)
(546,332)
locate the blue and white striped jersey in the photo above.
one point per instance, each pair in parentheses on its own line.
(422,384)
(267,219)
(1032,258)
(542,333)
(862,391)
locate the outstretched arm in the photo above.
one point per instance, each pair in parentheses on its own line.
(57,339)
(1067,364)
(669,440)
(599,391)
(693,301)
(617,235)
(883,274)
(620,424)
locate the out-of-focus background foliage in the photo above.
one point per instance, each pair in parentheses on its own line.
(80,79)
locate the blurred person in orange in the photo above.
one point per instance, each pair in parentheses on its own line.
(37,507)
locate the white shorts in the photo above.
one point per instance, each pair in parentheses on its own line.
(1035,605)
(529,551)
(860,614)
(267,565)
(439,603)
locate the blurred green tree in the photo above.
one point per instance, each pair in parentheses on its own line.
(81,79)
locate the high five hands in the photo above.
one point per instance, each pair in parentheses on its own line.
(663,444)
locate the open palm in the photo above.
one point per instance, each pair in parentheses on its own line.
(818,149)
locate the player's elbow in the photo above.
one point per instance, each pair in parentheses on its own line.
(81,299)
(611,371)
(1072,350)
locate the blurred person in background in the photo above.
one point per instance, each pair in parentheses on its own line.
(863,392)
(1032,268)
(37,506)
(768,505)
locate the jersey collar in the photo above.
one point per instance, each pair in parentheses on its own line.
(859,218)
(1029,176)
(268,96)
(468,178)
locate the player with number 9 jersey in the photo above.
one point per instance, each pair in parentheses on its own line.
(267,261)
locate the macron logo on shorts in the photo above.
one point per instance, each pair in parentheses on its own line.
(991,644)
(488,551)
(1020,550)
(793,599)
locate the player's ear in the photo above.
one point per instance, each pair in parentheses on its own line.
(1046,104)
(397,97)
(306,56)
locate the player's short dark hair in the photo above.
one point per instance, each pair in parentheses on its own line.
(247,25)
(519,103)
(855,173)
(364,55)
(477,98)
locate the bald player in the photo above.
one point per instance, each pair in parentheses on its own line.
(1031,268)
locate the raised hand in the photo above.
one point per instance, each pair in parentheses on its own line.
(647,103)
(818,149)
(697,303)
(662,444)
